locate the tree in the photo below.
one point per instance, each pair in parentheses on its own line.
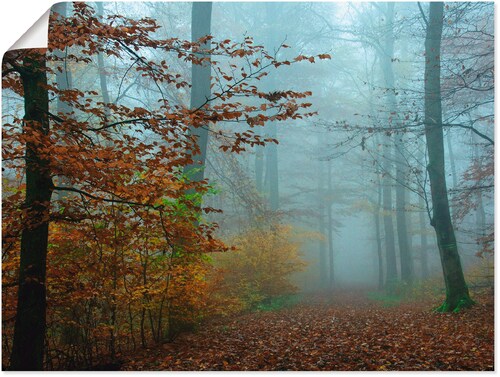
(457,293)
(271,152)
(323,198)
(29,331)
(386,61)
(200,89)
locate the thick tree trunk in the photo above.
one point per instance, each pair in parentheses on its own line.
(457,293)
(200,90)
(29,330)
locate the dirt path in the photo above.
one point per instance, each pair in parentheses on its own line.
(343,335)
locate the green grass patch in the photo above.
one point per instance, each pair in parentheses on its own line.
(278,303)
(385,299)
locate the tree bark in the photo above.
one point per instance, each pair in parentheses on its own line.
(457,293)
(64,77)
(376,215)
(64,82)
(451,157)
(424,260)
(200,90)
(272,186)
(390,247)
(401,226)
(103,80)
(323,273)
(272,169)
(480,213)
(29,329)
(259,165)
(331,263)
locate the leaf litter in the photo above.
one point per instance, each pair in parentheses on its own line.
(347,333)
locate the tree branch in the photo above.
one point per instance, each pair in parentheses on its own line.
(422,13)
(91,196)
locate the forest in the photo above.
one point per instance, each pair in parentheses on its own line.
(250,186)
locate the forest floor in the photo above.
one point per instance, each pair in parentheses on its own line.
(349,332)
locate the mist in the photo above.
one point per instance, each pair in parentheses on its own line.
(275,174)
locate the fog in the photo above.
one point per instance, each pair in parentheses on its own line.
(349,94)
(337,160)
(169,163)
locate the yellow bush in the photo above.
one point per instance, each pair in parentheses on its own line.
(261,267)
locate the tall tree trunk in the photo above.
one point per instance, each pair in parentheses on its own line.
(64,82)
(390,247)
(259,165)
(424,260)
(323,273)
(401,227)
(200,89)
(480,214)
(29,329)
(457,293)
(272,187)
(451,157)
(103,80)
(387,217)
(272,169)
(331,264)
(376,215)
(63,77)
(409,233)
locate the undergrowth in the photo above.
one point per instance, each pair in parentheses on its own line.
(479,278)
(404,292)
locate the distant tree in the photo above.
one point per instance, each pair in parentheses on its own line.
(386,60)
(322,208)
(273,11)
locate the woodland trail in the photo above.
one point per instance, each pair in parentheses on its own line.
(346,334)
